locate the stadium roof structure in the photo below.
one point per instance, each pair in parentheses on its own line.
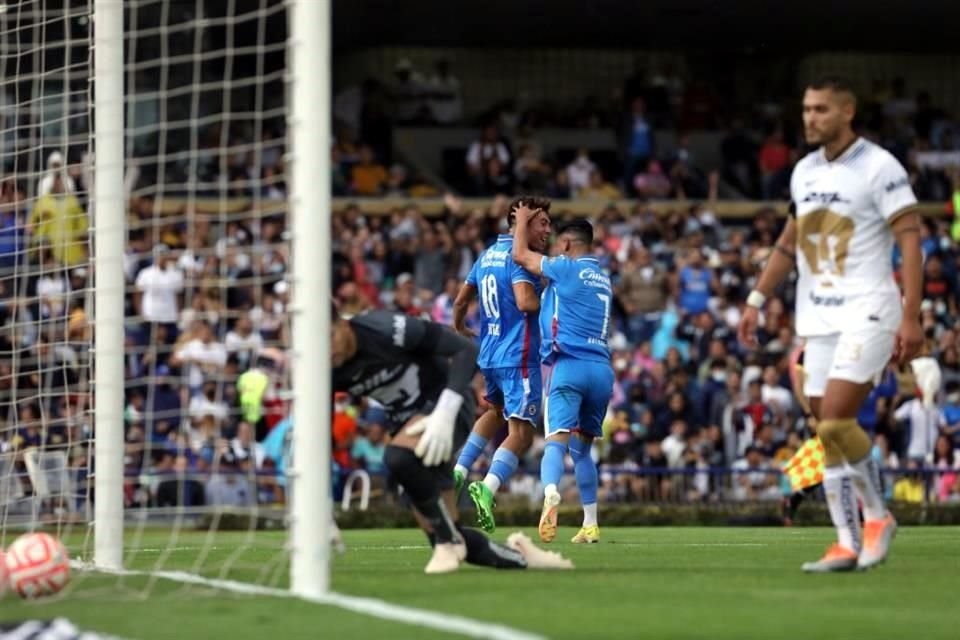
(879,25)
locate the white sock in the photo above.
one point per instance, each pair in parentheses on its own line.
(590,515)
(866,480)
(492,482)
(550,490)
(842,502)
(463,470)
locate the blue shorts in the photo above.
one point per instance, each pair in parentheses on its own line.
(577,394)
(517,394)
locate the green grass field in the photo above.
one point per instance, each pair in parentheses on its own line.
(638,583)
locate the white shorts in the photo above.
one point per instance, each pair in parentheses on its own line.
(858,356)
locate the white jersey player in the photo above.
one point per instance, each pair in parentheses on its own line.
(851,200)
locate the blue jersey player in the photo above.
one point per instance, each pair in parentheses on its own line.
(509,345)
(574,322)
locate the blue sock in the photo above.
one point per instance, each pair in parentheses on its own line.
(551,466)
(585,470)
(471,451)
(504,464)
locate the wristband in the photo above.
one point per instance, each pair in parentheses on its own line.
(449,402)
(756,299)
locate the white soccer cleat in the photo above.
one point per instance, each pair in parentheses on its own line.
(446,558)
(877,536)
(536,557)
(837,558)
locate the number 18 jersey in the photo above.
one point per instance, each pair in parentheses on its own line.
(575,309)
(508,336)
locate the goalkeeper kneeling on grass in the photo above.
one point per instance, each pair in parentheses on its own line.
(421,373)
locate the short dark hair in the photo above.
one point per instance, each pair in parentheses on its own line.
(835,83)
(581,230)
(533,202)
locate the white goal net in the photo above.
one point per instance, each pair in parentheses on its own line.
(208,330)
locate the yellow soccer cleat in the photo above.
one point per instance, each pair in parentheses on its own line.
(587,535)
(548,517)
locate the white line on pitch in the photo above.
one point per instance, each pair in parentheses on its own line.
(690,544)
(369,606)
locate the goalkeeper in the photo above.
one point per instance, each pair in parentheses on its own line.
(421,373)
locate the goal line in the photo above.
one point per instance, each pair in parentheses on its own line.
(374,607)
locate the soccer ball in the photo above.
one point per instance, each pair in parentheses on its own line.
(38,565)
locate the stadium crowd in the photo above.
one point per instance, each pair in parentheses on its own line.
(207,331)
(760,145)
(208,323)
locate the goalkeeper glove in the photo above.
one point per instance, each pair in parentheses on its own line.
(436,442)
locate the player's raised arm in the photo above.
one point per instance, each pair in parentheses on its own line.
(522,254)
(780,263)
(906,229)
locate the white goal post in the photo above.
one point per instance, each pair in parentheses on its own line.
(309,201)
(309,135)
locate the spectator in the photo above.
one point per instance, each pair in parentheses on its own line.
(430,264)
(227,487)
(158,286)
(55,169)
(245,447)
(754,478)
(775,395)
(58,221)
(642,292)
(675,444)
(578,172)
(754,413)
(924,423)
(446,103)
(693,284)
(774,160)
(599,189)
(409,93)
(202,356)
(11,226)
(255,389)
(368,177)
(442,312)
(479,154)
(208,403)
(951,412)
(637,140)
(910,486)
(886,390)
(369,447)
(740,159)
(530,172)
(243,341)
(52,289)
(652,183)
(344,429)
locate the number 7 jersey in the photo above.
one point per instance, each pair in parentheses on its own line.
(575,309)
(844,210)
(508,337)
